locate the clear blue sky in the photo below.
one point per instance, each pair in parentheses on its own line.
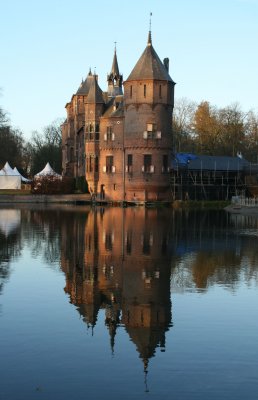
(48,46)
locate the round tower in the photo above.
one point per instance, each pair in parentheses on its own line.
(148,103)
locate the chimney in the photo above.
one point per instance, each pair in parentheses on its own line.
(166,63)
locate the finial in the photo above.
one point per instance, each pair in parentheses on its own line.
(149,35)
(115,46)
(90,73)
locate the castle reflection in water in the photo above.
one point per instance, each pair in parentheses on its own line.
(119,261)
(126,261)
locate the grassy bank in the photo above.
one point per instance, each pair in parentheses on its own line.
(17,192)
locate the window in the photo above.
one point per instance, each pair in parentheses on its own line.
(150,127)
(109,135)
(129,163)
(165,163)
(160,91)
(131,91)
(90,164)
(97,164)
(114,186)
(109,164)
(144,90)
(147,163)
(150,132)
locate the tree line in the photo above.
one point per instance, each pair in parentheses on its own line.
(30,156)
(206,129)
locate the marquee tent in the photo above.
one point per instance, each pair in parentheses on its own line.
(9,178)
(47,172)
(25,180)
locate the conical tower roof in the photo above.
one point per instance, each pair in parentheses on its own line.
(95,93)
(85,85)
(149,66)
(114,70)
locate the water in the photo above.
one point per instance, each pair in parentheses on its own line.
(134,303)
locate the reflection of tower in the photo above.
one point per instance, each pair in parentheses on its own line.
(146,301)
(80,265)
(119,262)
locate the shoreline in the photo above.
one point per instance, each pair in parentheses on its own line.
(85,199)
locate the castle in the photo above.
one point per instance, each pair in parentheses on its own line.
(122,142)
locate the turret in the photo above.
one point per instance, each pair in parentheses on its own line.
(115,79)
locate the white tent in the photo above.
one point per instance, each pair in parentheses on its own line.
(47,171)
(9,179)
(25,180)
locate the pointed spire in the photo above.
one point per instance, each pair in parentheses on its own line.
(115,69)
(114,78)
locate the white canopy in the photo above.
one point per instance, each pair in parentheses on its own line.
(22,177)
(48,171)
(7,170)
(9,178)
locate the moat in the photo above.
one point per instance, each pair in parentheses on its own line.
(128,303)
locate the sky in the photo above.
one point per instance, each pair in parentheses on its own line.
(48,46)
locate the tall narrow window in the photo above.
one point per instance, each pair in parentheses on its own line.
(109,163)
(131,91)
(165,163)
(144,90)
(129,163)
(96,164)
(147,162)
(109,132)
(160,91)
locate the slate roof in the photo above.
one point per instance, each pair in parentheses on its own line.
(149,66)
(111,112)
(85,85)
(211,163)
(95,94)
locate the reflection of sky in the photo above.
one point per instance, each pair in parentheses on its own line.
(9,221)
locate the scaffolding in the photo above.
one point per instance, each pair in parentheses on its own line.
(187,184)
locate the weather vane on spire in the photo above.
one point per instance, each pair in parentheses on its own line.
(115,46)
(149,35)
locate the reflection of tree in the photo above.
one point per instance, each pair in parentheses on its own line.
(211,247)
(210,267)
(10,249)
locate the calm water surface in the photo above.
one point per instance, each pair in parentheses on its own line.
(134,303)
